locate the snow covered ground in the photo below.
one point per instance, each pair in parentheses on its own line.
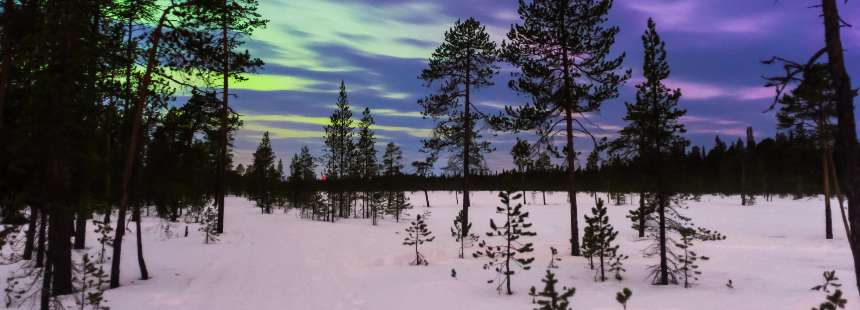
(774,254)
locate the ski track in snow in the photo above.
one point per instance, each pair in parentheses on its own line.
(774,253)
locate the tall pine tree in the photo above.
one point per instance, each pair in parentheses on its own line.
(465,61)
(562,49)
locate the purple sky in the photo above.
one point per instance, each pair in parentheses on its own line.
(378,47)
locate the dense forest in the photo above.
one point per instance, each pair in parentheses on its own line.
(111,111)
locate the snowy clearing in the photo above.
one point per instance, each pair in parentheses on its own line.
(774,254)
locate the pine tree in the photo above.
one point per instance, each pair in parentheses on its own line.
(464,62)
(209,224)
(396,201)
(521,153)
(263,174)
(652,136)
(339,150)
(239,19)
(811,107)
(562,50)
(598,242)
(510,252)
(425,169)
(549,298)
(93,281)
(417,234)
(366,164)
(457,231)
(543,165)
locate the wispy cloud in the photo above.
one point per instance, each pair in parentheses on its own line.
(256,122)
(691,90)
(700,16)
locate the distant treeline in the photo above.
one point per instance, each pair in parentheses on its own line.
(786,164)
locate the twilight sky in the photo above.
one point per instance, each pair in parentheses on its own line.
(378,47)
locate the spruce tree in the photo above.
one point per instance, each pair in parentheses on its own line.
(464,62)
(549,298)
(598,242)
(561,48)
(510,252)
(263,174)
(417,234)
(652,135)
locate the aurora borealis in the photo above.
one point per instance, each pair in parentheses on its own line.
(378,47)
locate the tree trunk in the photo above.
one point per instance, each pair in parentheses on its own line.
(427,198)
(571,187)
(467,144)
(664,267)
(222,143)
(60,250)
(828,217)
(144,273)
(846,137)
(6,58)
(31,233)
(45,302)
(130,158)
(42,243)
(544,197)
(642,214)
(80,230)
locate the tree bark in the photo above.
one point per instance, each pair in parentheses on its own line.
(42,243)
(846,136)
(642,213)
(571,187)
(828,216)
(664,267)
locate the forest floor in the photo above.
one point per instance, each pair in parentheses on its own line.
(775,252)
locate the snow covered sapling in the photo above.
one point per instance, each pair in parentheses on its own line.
(105,239)
(616,265)
(208,224)
(457,231)
(549,298)
(553,258)
(510,252)
(687,260)
(93,282)
(623,297)
(598,242)
(418,234)
(833,300)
